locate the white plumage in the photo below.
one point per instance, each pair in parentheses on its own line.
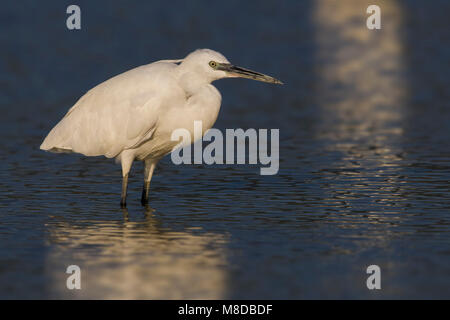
(132,115)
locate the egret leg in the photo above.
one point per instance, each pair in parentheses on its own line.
(148,173)
(126,159)
(123,197)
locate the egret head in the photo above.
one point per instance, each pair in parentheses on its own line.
(214,66)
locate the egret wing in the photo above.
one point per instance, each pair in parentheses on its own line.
(120,113)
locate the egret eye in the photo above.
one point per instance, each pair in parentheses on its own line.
(213,64)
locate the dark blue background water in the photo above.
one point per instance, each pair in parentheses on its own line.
(364,154)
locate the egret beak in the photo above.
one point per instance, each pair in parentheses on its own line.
(235,71)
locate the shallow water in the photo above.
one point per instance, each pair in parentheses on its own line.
(364,156)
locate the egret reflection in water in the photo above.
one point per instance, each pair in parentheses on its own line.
(136,260)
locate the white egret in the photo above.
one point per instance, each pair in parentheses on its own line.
(131,116)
